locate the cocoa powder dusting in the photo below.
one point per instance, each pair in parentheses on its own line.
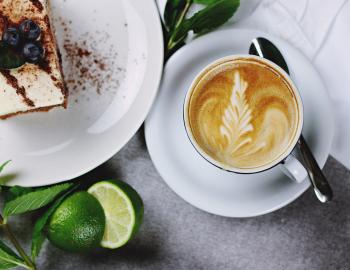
(87,67)
(37,4)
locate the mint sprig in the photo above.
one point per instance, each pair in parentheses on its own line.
(21,200)
(10,58)
(177,26)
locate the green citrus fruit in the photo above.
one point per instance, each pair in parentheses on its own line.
(124,211)
(78,223)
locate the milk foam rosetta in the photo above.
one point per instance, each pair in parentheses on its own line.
(243,113)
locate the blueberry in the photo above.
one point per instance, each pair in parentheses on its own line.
(33,52)
(29,30)
(11,37)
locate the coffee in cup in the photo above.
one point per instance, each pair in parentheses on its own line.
(243,114)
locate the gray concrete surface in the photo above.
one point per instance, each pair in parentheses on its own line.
(175,235)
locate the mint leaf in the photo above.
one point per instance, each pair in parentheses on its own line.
(213,16)
(4,165)
(9,58)
(174,11)
(180,33)
(8,258)
(33,200)
(38,236)
(2,168)
(16,191)
(205,2)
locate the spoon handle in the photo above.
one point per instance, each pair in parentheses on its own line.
(319,182)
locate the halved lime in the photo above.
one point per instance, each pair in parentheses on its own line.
(123,210)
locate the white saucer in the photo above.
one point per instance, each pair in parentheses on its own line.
(123,41)
(200,183)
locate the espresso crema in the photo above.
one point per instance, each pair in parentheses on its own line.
(243,113)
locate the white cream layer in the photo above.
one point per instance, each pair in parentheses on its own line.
(39,88)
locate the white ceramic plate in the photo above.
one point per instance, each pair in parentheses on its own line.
(194,179)
(113,59)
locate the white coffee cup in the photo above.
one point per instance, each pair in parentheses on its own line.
(288,163)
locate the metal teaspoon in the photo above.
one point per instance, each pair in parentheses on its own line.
(264,48)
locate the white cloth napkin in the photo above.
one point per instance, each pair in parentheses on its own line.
(321,30)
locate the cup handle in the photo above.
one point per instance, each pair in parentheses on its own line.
(293,168)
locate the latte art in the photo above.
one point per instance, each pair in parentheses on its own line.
(243,113)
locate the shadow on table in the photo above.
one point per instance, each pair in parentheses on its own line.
(137,253)
(106,171)
(321,229)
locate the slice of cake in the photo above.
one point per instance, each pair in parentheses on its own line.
(36,85)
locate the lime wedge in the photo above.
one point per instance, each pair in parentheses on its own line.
(123,209)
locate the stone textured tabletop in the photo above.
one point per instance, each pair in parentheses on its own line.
(175,235)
